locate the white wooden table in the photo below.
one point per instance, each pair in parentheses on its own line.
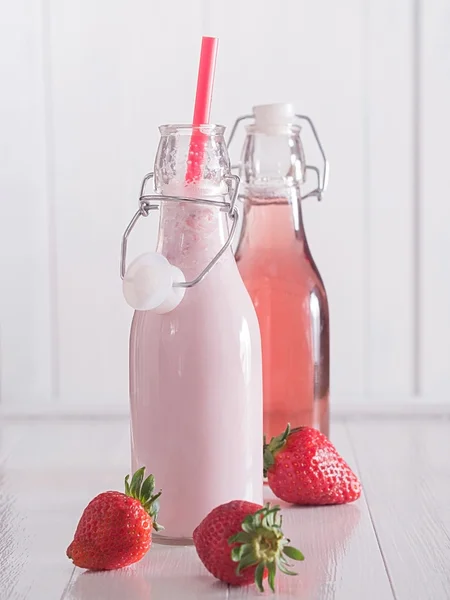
(394,543)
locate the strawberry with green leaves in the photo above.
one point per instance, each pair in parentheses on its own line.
(115,529)
(242,543)
(303,467)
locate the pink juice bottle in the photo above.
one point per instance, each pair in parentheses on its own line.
(195,354)
(280,274)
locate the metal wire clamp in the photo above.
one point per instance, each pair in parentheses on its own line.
(322,176)
(146,206)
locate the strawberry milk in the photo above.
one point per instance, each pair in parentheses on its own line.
(195,372)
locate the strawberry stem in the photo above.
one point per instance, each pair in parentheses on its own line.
(262,543)
(142,489)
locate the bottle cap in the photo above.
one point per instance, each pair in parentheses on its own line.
(274,118)
(148,284)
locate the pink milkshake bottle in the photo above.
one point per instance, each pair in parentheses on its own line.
(195,350)
(279,271)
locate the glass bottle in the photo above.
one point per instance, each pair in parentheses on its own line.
(281,276)
(195,357)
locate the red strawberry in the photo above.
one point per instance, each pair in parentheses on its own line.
(115,529)
(303,467)
(248,534)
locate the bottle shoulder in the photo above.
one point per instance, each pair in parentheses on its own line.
(290,272)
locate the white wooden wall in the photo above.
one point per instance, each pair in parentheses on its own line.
(84,85)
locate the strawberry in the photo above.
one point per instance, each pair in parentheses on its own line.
(303,467)
(115,529)
(247,534)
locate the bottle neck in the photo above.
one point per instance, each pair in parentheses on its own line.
(191,234)
(272,159)
(273,221)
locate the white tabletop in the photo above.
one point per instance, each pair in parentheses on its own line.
(394,543)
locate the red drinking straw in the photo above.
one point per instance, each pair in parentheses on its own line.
(202,108)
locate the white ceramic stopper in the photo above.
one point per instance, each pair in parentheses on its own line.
(274,118)
(148,284)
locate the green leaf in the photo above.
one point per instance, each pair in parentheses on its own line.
(257,518)
(286,433)
(155,510)
(247,524)
(147,488)
(268,458)
(275,444)
(271,567)
(293,553)
(127,486)
(152,506)
(248,559)
(269,516)
(236,553)
(284,570)
(136,482)
(246,549)
(259,575)
(152,500)
(240,538)
(267,521)
(157,526)
(295,430)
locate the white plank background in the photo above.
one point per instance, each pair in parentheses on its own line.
(435,212)
(391,544)
(26,303)
(84,86)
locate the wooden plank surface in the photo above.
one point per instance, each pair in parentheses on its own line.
(405,471)
(47,473)
(392,544)
(342,558)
